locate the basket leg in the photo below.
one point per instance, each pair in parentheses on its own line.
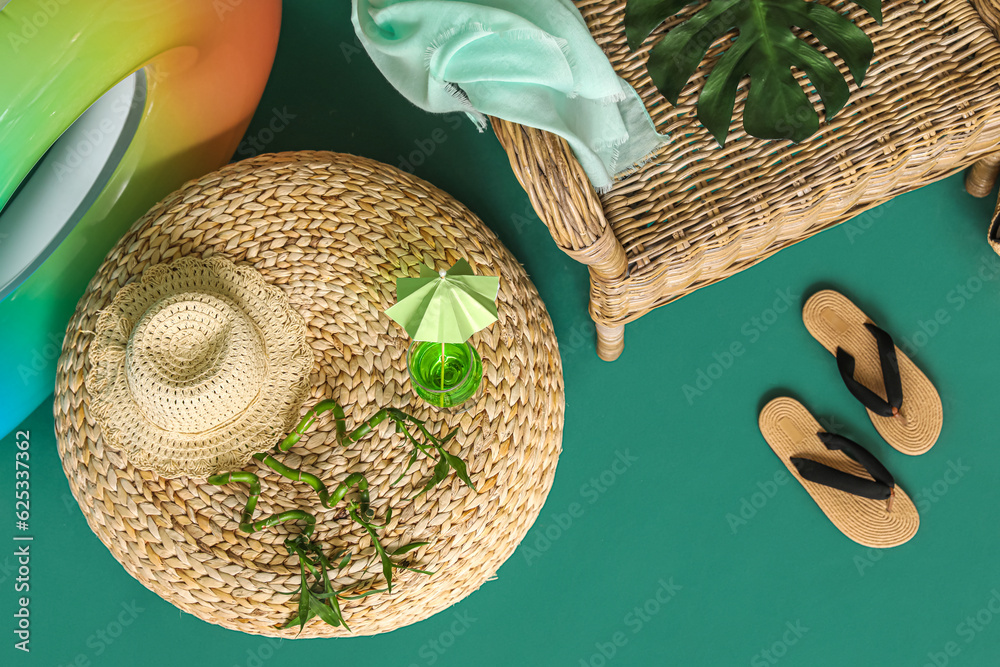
(610,341)
(981,176)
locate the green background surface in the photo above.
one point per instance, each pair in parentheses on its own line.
(695,508)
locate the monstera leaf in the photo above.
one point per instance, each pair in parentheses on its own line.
(766,50)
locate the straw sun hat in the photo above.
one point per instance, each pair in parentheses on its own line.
(196,366)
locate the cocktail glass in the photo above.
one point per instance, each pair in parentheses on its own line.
(446,375)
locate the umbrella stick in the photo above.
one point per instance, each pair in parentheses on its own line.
(442,374)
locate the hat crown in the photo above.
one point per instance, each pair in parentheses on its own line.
(195,362)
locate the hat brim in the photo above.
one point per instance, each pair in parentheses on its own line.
(255,427)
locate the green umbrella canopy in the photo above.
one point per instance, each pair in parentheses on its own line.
(445,307)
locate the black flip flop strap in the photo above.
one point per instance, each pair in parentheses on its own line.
(879,489)
(890,375)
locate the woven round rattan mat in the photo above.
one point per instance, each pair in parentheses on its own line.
(333,232)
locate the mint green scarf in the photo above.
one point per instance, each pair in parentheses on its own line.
(531,62)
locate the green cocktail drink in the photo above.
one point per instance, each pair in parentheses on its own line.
(444,374)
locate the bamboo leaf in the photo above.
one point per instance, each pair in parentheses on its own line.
(458,465)
(335,605)
(409,464)
(299,621)
(408,548)
(325,596)
(304,613)
(440,472)
(386,564)
(324,612)
(365,594)
(304,597)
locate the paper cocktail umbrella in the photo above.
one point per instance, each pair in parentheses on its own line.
(445,307)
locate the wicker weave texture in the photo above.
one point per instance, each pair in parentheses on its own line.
(836,323)
(930,96)
(791,430)
(332,232)
(197,366)
(698,213)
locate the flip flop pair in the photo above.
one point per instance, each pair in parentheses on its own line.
(903,405)
(848,483)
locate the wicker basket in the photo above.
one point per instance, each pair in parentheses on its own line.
(698,213)
(332,232)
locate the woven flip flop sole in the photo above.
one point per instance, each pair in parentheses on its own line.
(835,321)
(791,432)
